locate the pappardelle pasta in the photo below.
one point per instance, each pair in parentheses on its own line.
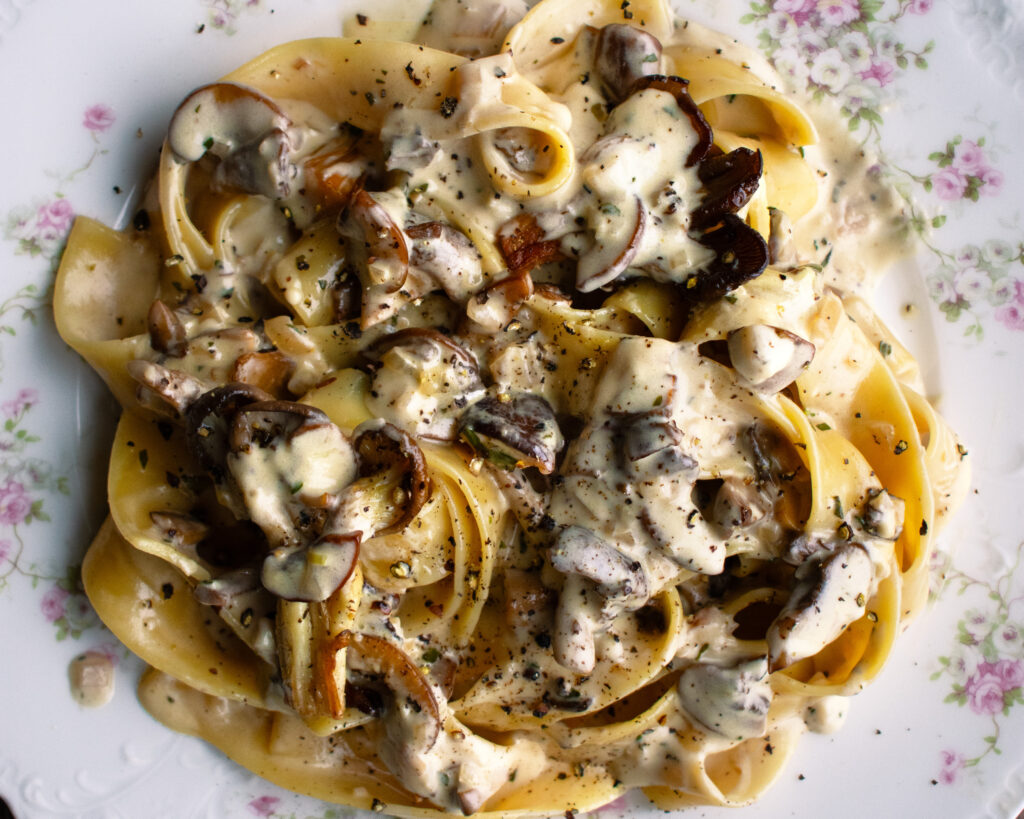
(506,425)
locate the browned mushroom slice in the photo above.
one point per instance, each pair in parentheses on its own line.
(740,255)
(422,380)
(375,242)
(603,265)
(523,245)
(768,358)
(412,716)
(162,389)
(729,181)
(242,126)
(207,422)
(335,172)
(678,88)
(623,55)
(831,593)
(494,307)
(222,116)
(652,445)
(513,430)
(392,466)
(267,371)
(417,336)
(447,256)
(166,332)
(312,573)
(882,514)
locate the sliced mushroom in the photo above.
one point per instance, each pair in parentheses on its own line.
(883,514)
(729,181)
(737,504)
(164,389)
(311,573)
(678,88)
(623,54)
(422,380)
(207,422)
(393,482)
(267,371)
(166,332)
(242,126)
(740,255)
(446,255)
(513,430)
(603,265)
(732,702)
(617,577)
(291,465)
(493,308)
(411,713)
(222,116)
(831,593)
(652,445)
(768,358)
(375,243)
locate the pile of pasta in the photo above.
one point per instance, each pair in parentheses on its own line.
(492,439)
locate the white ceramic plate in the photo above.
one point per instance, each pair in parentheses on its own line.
(937,91)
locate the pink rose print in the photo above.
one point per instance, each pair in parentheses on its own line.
(991,180)
(969,156)
(985,689)
(839,12)
(799,10)
(1011,315)
(15,505)
(920,6)
(1011,673)
(264,805)
(952,764)
(54,218)
(52,604)
(6,549)
(98,118)
(16,406)
(882,71)
(949,184)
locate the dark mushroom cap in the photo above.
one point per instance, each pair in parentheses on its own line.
(417,336)
(383,448)
(513,430)
(729,181)
(622,55)
(261,423)
(208,420)
(366,223)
